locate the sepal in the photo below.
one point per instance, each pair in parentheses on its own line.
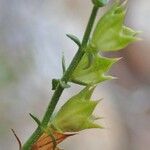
(110,33)
(75,114)
(95,73)
(45,141)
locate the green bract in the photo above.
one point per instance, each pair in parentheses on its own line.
(76,114)
(95,72)
(110,34)
(100,3)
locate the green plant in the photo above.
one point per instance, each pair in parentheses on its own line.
(88,68)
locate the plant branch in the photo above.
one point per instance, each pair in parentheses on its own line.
(66,77)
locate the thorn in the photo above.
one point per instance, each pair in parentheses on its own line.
(17,138)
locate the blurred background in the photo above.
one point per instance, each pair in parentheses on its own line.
(32,39)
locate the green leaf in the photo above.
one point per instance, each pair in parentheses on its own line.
(110,33)
(76,114)
(75,39)
(35,119)
(95,73)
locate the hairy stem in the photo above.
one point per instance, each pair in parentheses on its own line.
(55,98)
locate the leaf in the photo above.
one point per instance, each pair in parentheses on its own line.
(75,39)
(110,33)
(75,114)
(35,119)
(95,73)
(45,142)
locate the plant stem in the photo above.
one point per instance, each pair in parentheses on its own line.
(66,77)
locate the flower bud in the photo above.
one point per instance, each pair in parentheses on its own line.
(100,3)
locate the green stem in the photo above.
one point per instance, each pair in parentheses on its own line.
(66,77)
